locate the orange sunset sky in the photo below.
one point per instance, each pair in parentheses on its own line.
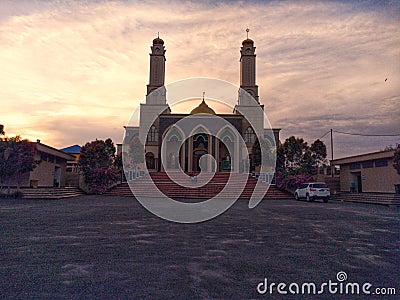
(73,71)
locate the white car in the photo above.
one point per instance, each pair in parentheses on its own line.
(313,190)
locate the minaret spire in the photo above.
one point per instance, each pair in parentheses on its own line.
(157,65)
(248,67)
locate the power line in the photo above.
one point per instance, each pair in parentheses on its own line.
(358,134)
(324,135)
(361,134)
(331,131)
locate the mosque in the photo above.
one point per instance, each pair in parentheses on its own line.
(186,150)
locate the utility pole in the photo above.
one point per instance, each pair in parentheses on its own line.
(332,153)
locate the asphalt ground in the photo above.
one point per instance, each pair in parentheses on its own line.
(103,247)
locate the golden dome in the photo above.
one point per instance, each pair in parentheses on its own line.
(203,108)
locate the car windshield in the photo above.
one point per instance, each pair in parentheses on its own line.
(319,185)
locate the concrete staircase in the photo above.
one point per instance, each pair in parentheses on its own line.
(372,198)
(196,190)
(50,193)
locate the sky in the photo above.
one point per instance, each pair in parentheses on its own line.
(74,71)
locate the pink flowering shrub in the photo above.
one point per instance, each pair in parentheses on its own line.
(102,179)
(291,181)
(99,165)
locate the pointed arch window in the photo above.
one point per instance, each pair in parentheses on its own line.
(152,136)
(249,135)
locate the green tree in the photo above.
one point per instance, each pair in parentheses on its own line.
(297,162)
(97,154)
(17,158)
(136,151)
(308,164)
(318,152)
(280,158)
(97,163)
(294,149)
(396,159)
(313,158)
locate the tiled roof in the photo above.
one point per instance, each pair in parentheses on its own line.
(365,156)
(75,149)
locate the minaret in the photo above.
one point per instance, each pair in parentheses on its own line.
(156,93)
(248,67)
(156,101)
(249,106)
(157,71)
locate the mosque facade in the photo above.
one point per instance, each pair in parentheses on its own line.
(185,151)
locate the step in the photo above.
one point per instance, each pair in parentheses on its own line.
(50,193)
(210,190)
(371,198)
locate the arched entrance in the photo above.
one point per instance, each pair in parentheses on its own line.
(197,165)
(226,151)
(150,161)
(173,150)
(200,146)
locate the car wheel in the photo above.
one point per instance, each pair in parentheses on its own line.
(296,196)
(308,198)
(326,200)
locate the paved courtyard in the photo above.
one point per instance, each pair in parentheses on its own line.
(98,247)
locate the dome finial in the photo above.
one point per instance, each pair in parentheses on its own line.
(157,40)
(247,41)
(203,95)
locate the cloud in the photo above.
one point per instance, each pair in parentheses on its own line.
(84,65)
